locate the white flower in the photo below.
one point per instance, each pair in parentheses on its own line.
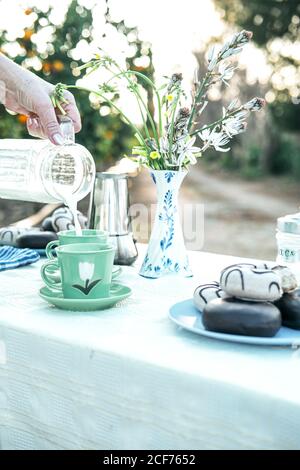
(188,152)
(226,72)
(241,114)
(202,108)
(211,53)
(255,104)
(233,104)
(205,135)
(164,144)
(86,270)
(236,44)
(233,126)
(214,139)
(218,139)
(212,61)
(227,54)
(212,64)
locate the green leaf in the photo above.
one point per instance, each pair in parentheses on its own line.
(141,152)
(137,136)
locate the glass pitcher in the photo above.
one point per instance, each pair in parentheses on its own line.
(36,170)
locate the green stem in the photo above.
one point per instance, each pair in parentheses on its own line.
(215,123)
(144,121)
(112,104)
(149,82)
(145,79)
(172,124)
(197,99)
(167,114)
(138,98)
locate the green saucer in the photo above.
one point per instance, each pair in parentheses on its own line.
(117,292)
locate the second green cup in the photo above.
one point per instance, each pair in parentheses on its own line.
(68,237)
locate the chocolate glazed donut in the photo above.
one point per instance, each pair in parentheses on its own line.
(241,317)
(289,306)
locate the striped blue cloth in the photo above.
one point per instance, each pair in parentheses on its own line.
(11,257)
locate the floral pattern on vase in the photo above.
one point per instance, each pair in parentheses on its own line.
(166,252)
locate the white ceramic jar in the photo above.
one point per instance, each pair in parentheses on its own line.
(288,242)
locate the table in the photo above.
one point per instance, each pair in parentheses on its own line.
(127,378)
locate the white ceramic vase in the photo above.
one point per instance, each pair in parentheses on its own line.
(166,252)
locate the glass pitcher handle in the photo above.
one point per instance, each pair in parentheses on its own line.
(67,129)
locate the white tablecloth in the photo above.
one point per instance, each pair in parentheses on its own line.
(127,378)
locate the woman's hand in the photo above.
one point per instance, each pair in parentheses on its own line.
(23,92)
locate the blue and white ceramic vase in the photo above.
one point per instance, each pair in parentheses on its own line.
(166,252)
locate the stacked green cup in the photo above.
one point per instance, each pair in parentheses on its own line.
(69,237)
(85,270)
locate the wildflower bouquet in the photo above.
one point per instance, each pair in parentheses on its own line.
(168,142)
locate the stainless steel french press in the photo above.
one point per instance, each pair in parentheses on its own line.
(109,211)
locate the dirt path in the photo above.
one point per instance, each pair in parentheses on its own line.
(240,216)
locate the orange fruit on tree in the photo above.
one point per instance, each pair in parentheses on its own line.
(109,135)
(46,67)
(58,65)
(27,34)
(22,118)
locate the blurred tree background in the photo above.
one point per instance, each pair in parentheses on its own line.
(273,144)
(54,41)
(103,133)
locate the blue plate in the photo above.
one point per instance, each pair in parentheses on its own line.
(186,315)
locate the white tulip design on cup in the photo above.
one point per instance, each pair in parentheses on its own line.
(86,271)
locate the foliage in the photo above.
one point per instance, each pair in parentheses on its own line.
(169,142)
(287,156)
(107,137)
(276,28)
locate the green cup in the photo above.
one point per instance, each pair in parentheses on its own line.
(68,237)
(85,268)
